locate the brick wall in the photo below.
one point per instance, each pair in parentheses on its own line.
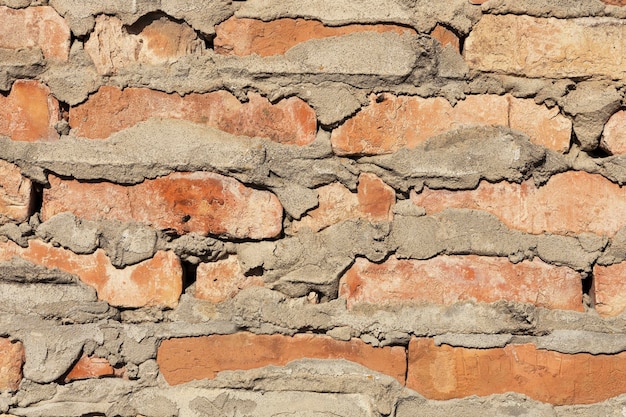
(289,208)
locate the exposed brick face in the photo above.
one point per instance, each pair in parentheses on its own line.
(238,36)
(29,113)
(223,279)
(570,202)
(35,27)
(609,289)
(399,122)
(444,372)
(542,47)
(15,194)
(446,37)
(200,202)
(614,134)
(290,121)
(449,279)
(90,367)
(11,362)
(186,359)
(154,282)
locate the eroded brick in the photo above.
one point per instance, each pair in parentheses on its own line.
(373,201)
(11,362)
(237,36)
(200,202)
(153,282)
(609,289)
(546,47)
(445,372)
(35,27)
(397,122)
(446,280)
(29,113)
(446,37)
(162,41)
(90,367)
(290,121)
(15,194)
(614,134)
(572,202)
(223,279)
(187,359)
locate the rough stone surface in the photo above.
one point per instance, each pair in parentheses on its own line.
(449,279)
(11,361)
(15,194)
(29,113)
(199,202)
(445,372)
(110,110)
(263,350)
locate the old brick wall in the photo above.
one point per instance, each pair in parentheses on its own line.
(312,208)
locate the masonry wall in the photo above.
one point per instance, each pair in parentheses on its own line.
(312,208)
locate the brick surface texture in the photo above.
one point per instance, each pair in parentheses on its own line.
(11,361)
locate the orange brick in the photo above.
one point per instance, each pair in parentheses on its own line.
(572,202)
(250,36)
(112,47)
(614,134)
(407,121)
(221,280)
(29,113)
(15,194)
(186,359)
(615,2)
(11,362)
(90,367)
(153,282)
(609,289)
(448,279)
(35,27)
(200,202)
(446,37)
(376,198)
(290,121)
(444,372)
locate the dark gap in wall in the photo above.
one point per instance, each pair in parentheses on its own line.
(145,20)
(207,39)
(189,274)
(588,292)
(257,271)
(599,153)
(36,199)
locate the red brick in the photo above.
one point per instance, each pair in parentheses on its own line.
(90,367)
(186,359)
(35,27)
(250,36)
(609,289)
(290,121)
(572,202)
(407,121)
(615,2)
(449,279)
(200,202)
(446,37)
(29,113)
(112,47)
(614,134)
(373,201)
(11,362)
(154,282)
(220,280)
(444,372)
(15,194)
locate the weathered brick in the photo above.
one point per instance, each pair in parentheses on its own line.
(609,289)
(373,201)
(444,372)
(186,359)
(90,367)
(29,113)
(290,121)
(162,41)
(220,280)
(11,362)
(546,47)
(15,194)
(250,36)
(407,121)
(614,134)
(154,282)
(448,279)
(35,27)
(446,37)
(570,202)
(615,2)
(200,202)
